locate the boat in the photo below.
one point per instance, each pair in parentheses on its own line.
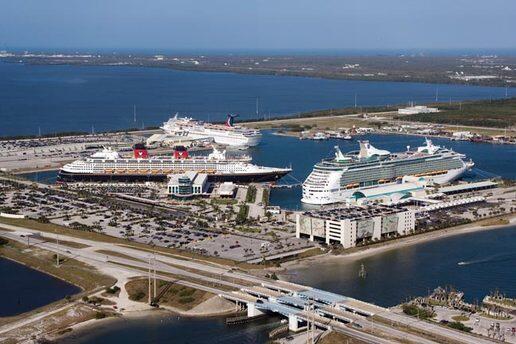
(108,165)
(227,134)
(320,136)
(337,179)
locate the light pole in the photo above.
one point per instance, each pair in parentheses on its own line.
(57,252)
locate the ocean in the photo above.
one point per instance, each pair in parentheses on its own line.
(65,98)
(57,98)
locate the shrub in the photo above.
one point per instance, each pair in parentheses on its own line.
(112,290)
(100,315)
(416,311)
(138,296)
(186,292)
(187,299)
(459,326)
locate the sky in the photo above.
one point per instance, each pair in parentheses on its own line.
(255,24)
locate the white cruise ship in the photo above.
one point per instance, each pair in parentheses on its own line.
(108,166)
(335,180)
(225,134)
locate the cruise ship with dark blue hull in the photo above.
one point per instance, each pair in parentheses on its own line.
(108,166)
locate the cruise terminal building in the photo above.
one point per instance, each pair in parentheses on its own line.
(353,225)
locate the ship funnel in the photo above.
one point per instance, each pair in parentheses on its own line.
(140,151)
(180,152)
(367,151)
(230,120)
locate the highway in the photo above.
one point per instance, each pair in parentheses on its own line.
(220,279)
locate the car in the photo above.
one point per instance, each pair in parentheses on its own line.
(356,325)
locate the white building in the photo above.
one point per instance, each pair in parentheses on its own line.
(353,225)
(227,189)
(189,184)
(413,110)
(462,135)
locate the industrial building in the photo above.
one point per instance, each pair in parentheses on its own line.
(187,185)
(413,110)
(353,225)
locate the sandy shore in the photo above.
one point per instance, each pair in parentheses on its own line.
(395,244)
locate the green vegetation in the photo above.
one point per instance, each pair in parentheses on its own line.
(242,214)
(226,201)
(416,311)
(499,113)
(459,326)
(250,196)
(113,290)
(460,318)
(247,229)
(3,241)
(100,315)
(177,296)
(71,270)
(265,197)
(339,338)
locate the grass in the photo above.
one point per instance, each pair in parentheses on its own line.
(71,244)
(265,197)
(293,124)
(181,278)
(339,338)
(242,214)
(460,318)
(499,113)
(459,326)
(250,196)
(71,270)
(418,312)
(495,222)
(178,296)
(118,254)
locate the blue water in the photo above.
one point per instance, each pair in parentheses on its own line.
(490,160)
(392,276)
(66,98)
(279,151)
(177,331)
(24,289)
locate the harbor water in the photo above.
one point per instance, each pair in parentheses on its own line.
(176,330)
(281,151)
(68,98)
(24,289)
(58,98)
(487,260)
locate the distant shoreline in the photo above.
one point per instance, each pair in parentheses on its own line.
(380,71)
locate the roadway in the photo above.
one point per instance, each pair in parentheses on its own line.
(217,279)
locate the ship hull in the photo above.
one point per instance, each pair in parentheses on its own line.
(69,177)
(344,195)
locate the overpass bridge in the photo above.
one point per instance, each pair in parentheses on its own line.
(306,307)
(301,304)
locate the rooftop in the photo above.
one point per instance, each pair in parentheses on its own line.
(386,190)
(468,186)
(355,212)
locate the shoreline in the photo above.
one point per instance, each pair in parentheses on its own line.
(80,328)
(392,245)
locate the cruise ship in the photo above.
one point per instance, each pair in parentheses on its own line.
(109,166)
(224,134)
(335,180)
